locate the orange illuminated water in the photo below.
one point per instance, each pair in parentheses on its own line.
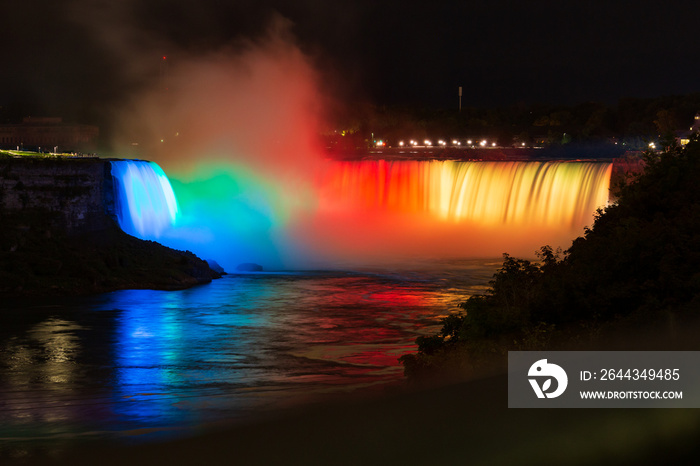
(369,213)
(397,210)
(517,193)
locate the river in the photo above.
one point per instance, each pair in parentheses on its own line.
(137,365)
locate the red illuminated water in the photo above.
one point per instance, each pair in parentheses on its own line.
(380,211)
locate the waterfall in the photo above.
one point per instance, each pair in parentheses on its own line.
(367,211)
(487,193)
(145,203)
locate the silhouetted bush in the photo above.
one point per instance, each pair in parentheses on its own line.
(640,260)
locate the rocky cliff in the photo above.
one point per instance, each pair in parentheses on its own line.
(58,234)
(73,195)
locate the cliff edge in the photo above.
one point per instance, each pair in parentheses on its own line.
(58,235)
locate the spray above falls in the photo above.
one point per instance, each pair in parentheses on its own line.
(237,132)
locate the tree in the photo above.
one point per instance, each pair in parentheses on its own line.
(666,122)
(639,260)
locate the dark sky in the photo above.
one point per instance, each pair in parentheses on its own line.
(77,58)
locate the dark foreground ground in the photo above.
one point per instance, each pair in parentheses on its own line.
(42,262)
(464,423)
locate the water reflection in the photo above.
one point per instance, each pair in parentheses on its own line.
(43,390)
(142,359)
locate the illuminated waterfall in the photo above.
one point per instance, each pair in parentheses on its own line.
(365,212)
(486,193)
(145,204)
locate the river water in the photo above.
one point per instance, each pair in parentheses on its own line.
(168,362)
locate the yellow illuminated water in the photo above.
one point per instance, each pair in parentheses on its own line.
(380,211)
(490,193)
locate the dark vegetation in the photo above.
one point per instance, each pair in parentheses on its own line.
(638,265)
(631,122)
(35,260)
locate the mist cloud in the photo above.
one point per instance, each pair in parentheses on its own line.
(237,129)
(255,102)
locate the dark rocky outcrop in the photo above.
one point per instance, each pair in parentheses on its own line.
(249,267)
(58,235)
(215,267)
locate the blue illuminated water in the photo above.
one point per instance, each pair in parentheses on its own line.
(145,204)
(163,362)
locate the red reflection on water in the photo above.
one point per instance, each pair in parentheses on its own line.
(398,298)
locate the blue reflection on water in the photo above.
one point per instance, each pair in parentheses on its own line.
(159,360)
(173,350)
(147,349)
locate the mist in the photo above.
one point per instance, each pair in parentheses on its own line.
(237,132)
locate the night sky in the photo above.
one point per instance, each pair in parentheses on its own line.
(80,58)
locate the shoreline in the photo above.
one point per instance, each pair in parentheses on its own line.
(44,264)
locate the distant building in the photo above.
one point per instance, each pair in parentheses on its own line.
(684,136)
(47,134)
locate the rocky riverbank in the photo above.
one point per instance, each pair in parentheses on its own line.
(58,234)
(40,262)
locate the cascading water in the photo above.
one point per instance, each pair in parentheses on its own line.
(382,211)
(365,211)
(145,203)
(490,193)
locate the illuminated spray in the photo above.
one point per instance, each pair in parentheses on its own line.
(236,132)
(366,211)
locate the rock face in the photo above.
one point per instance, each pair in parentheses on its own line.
(249,267)
(58,234)
(215,267)
(74,195)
